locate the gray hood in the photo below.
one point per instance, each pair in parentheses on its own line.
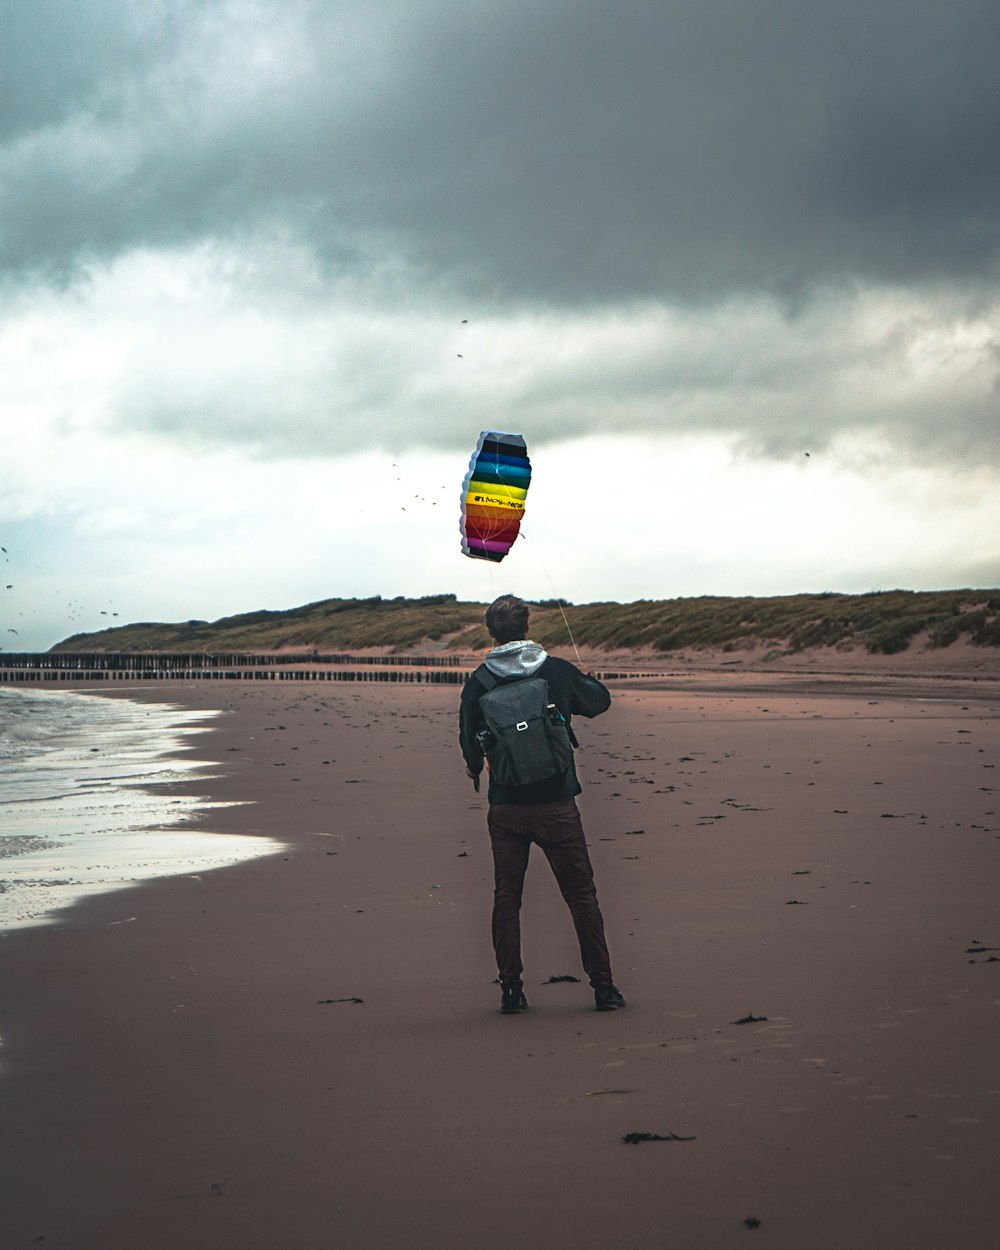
(516,659)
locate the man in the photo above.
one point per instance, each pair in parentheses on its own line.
(543,812)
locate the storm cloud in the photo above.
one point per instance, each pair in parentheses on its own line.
(259,257)
(562,154)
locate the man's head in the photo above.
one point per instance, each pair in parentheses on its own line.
(507,619)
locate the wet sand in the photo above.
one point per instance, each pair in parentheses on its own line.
(186,1064)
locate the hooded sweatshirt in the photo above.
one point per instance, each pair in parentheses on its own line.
(573,693)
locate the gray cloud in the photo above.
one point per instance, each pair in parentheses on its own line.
(776,219)
(569,153)
(328,378)
(59,57)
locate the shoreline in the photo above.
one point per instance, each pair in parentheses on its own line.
(78,819)
(183,1063)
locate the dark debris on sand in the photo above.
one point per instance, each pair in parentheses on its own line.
(323,1001)
(556,980)
(633,1139)
(750,1019)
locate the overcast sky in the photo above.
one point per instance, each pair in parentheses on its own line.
(267,268)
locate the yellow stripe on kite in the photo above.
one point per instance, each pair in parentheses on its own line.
(475,502)
(488,492)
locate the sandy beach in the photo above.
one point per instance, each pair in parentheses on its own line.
(305,1050)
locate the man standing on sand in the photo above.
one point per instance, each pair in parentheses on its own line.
(543,812)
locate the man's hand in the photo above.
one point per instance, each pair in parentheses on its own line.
(474,777)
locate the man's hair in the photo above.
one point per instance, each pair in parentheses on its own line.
(507,619)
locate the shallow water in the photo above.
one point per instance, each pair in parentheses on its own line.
(81,809)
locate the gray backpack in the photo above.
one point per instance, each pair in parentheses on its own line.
(526,738)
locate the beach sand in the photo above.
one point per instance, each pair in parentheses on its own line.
(186,1064)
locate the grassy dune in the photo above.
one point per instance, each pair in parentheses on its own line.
(884,622)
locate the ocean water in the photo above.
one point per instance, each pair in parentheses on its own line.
(82,803)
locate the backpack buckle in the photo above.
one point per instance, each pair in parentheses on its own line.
(521,726)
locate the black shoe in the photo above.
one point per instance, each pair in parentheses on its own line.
(608,998)
(512,1000)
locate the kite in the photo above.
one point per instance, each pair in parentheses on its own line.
(493,495)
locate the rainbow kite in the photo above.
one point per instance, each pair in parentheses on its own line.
(493,495)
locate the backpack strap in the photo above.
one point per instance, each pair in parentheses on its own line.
(486,678)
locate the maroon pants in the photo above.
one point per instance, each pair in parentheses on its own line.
(557,829)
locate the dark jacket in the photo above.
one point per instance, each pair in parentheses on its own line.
(573,693)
